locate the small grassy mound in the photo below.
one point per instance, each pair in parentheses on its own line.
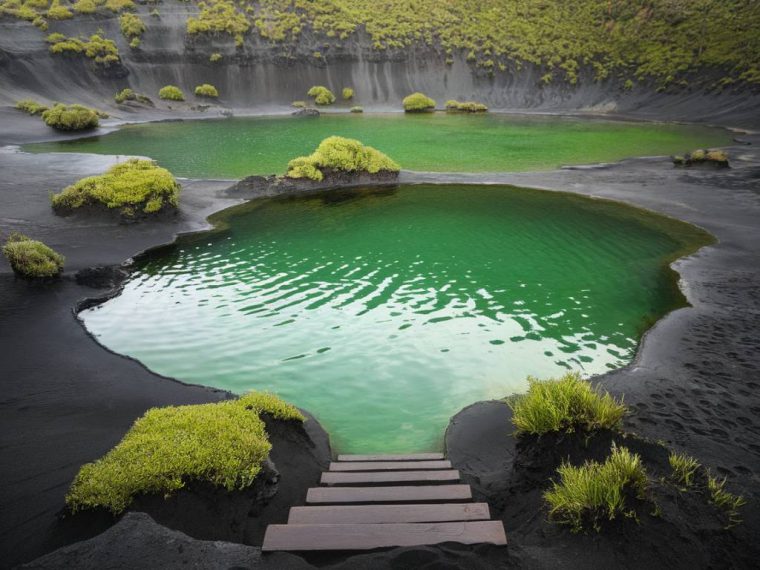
(130,186)
(71,117)
(206,90)
(171,93)
(223,444)
(454,106)
(718,158)
(321,95)
(357,109)
(725,500)
(338,153)
(418,103)
(585,496)
(31,258)
(566,404)
(31,106)
(131,25)
(347,93)
(58,12)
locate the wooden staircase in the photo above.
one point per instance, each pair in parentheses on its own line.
(379,501)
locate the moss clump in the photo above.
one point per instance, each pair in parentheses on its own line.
(717,158)
(214,57)
(71,117)
(128,94)
(567,404)
(31,258)
(130,186)
(219,17)
(31,106)
(454,106)
(117,6)
(298,104)
(85,7)
(321,95)
(357,109)
(347,93)
(223,444)
(97,48)
(171,93)
(206,90)
(341,154)
(58,12)
(418,103)
(586,496)
(132,26)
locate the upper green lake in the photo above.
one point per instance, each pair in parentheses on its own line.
(439,142)
(385,312)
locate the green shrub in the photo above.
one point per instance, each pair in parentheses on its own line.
(206,90)
(587,495)
(725,500)
(298,104)
(214,57)
(101,50)
(454,106)
(223,444)
(338,153)
(58,12)
(85,6)
(684,468)
(31,106)
(322,95)
(128,94)
(131,25)
(347,93)
(171,93)
(134,184)
(117,6)
(357,109)
(219,17)
(70,117)
(566,404)
(418,103)
(134,43)
(31,258)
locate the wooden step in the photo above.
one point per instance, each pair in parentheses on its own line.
(391,457)
(388,494)
(381,477)
(368,536)
(387,465)
(366,514)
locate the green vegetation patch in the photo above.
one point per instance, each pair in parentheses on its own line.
(31,106)
(418,103)
(684,468)
(130,186)
(58,12)
(341,154)
(71,117)
(206,90)
(454,106)
(171,93)
(223,443)
(131,25)
(100,50)
(321,95)
(219,17)
(347,93)
(565,404)
(725,500)
(31,258)
(357,109)
(586,496)
(717,158)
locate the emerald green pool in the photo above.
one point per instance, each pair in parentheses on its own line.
(238,147)
(385,312)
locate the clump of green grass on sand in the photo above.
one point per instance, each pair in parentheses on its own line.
(31,258)
(587,495)
(206,90)
(341,154)
(71,117)
(565,404)
(129,186)
(684,468)
(725,500)
(31,106)
(171,93)
(321,95)
(223,444)
(454,106)
(418,103)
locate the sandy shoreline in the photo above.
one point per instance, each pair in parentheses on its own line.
(67,400)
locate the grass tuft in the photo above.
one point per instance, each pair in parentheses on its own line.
(588,495)
(223,444)
(31,106)
(566,404)
(31,258)
(206,90)
(684,468)
(725,500)
(347,93)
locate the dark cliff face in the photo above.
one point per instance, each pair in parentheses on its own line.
(265,77)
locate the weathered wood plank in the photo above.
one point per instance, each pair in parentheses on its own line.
(365,477)
(388,494)
(368,536)
(387,465)
(393,457)
(367,514)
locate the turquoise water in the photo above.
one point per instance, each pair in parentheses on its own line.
(234,148)
(385,312)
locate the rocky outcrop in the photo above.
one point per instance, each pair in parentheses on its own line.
(269,186)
